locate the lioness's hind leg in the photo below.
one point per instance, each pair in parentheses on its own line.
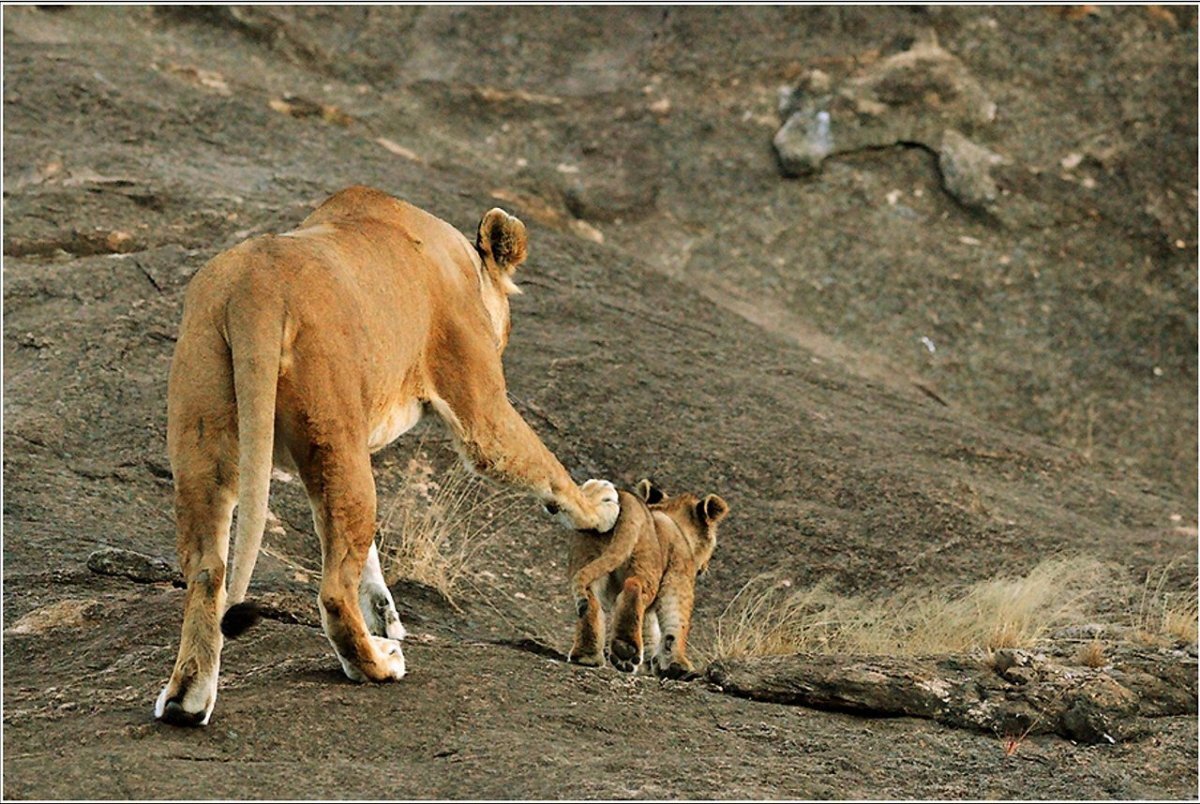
(375,600)
(203,511)
(341,491)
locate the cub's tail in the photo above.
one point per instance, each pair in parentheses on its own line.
(634,517)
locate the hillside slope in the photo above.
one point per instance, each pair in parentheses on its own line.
(688,313)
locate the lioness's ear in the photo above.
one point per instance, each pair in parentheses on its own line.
(502,237)
(712,509)
(649,492)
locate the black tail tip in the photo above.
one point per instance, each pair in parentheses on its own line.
(238,618)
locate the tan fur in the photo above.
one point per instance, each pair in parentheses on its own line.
(647,566)
(306,351)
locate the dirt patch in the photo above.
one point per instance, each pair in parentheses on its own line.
(887,387)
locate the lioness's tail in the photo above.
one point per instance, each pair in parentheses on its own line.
(634,516)
(255,340)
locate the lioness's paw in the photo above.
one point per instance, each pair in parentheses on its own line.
(603,497)
(184,709)
(379,613)
(390,661)
(393,629)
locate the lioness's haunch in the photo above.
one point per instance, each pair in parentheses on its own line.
(310,350)
(645,572)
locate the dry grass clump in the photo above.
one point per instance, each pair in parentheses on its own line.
(769,617)
(1161,613)
(433,529)
(1091,654)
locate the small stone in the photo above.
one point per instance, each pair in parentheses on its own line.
(804,142)
(117,242)
(1071,161)
(818,81)
(966,170)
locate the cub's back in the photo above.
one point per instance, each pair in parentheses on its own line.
(634,547)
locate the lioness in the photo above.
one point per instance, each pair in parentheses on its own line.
(648,566)
(309,351)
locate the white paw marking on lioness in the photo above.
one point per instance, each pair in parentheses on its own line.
(603,495)
(393,657)
(375,600)
(200,697)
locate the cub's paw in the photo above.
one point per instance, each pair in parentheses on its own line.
(603,497)
(625,655)
(587,659)
(680,671)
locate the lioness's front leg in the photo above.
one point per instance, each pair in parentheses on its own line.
(501,446)
(375,600)
(471,397)
(341,491)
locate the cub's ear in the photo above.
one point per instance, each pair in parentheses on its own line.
(502,237)
(649,492)
(712,509)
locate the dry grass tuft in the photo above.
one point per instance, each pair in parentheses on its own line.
(1091,654)
(769,617)
(432,530)
(1163,614)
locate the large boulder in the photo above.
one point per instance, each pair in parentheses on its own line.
(922,95)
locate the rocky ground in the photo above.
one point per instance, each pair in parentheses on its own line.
(942,334)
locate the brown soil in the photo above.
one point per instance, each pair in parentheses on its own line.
(689,313)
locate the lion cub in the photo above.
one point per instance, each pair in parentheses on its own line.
(645,571)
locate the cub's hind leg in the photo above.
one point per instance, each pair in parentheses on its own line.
(588,648)
(626,653)
(674,611)
(652,632)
